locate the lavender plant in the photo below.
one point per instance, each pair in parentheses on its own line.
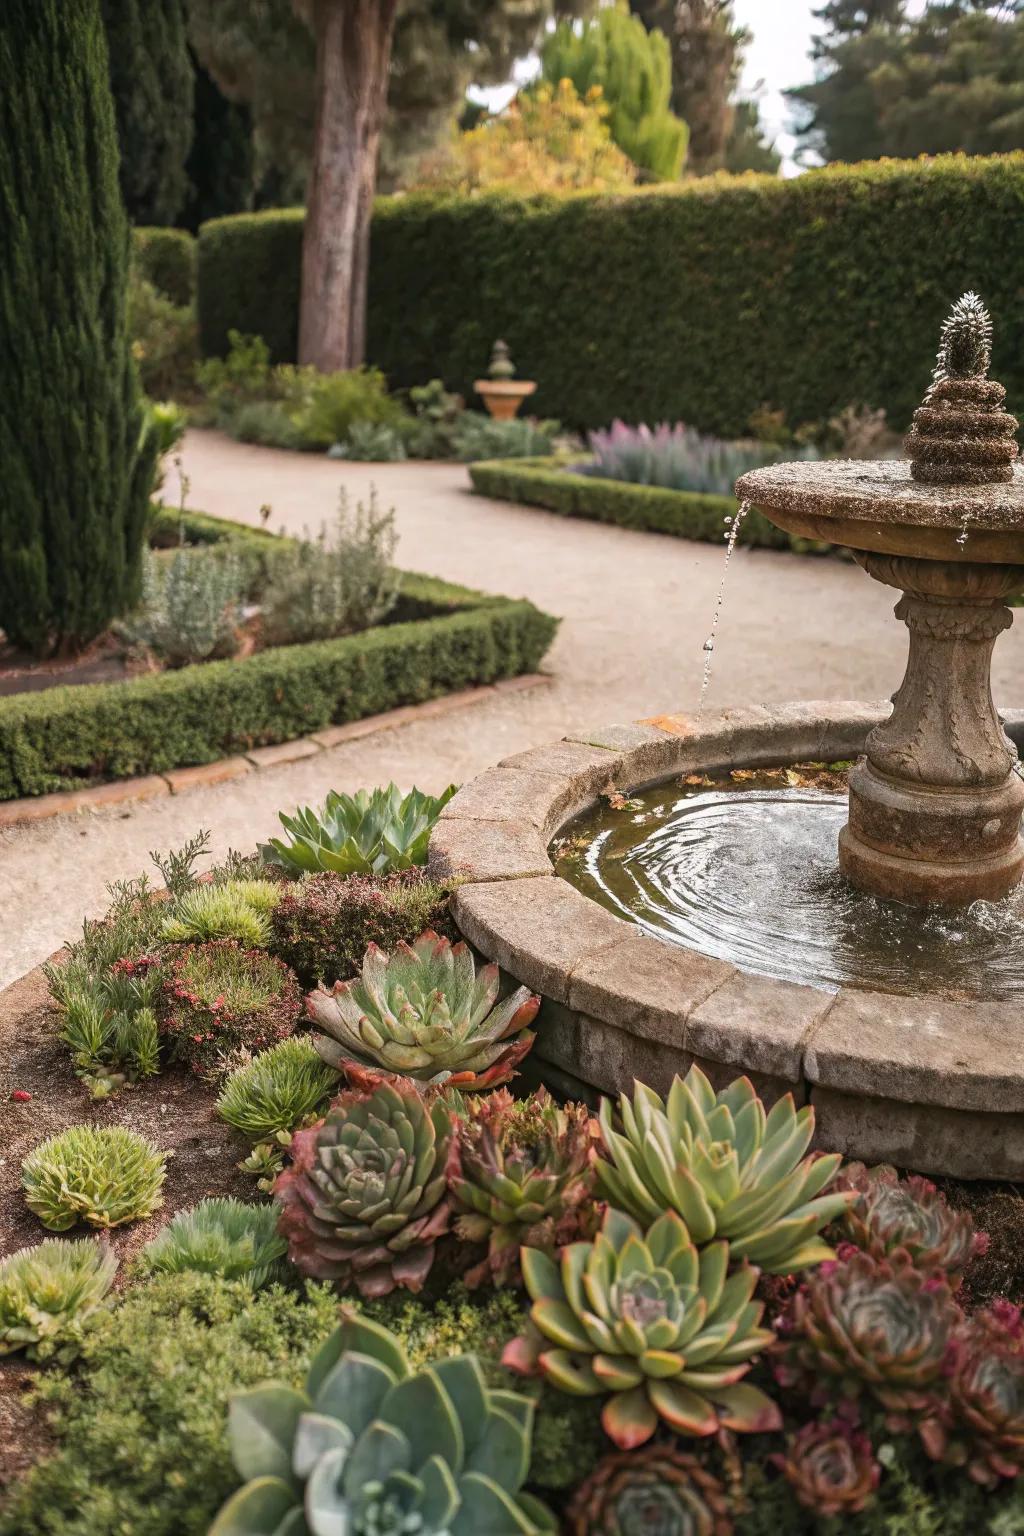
(678,458)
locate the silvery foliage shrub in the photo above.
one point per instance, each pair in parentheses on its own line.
(342,581)
(370,442)
(191,606)
(476,436)
(678,458)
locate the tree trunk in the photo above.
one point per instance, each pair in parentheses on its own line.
(353,54)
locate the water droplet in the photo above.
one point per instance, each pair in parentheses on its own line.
(731,537)
(709,644)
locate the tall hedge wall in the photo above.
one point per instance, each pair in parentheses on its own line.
(701,302)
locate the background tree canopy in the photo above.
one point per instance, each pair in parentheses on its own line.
(889,84)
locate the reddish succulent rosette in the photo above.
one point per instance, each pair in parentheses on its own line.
(831,1468)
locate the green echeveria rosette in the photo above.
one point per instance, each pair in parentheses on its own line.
(662,1330)
(983,1425)
(653,1491)
(525,1172)
(831,1467)
(368,833)
(909,1216)
(371,1448)
(366,1196)
(863,1325)
(727,1167)
(425,1012)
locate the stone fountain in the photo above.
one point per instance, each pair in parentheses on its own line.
(670,886)
(935,806)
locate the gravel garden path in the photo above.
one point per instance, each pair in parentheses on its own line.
(636,608)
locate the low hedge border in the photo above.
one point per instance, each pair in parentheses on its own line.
(549,483)
(167,258)
(442,639)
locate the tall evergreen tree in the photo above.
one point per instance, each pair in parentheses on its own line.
(220,162)
(77,457)
(633,68)
(151,77)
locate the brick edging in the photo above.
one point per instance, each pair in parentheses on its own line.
(176,781)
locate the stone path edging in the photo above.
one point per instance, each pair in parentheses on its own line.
(179,780)
(923,1082)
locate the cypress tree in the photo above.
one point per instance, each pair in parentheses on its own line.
(77,456)
(152,80)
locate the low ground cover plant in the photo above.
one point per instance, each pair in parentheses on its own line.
(46,1293)
(670,1308)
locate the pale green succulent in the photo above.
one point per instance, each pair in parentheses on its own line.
(425,1012)
(102,1174)
(727,1167)
(47,1291)
(368,833)
(234,909)
(218,1237)
(372,1448)
(662,1330)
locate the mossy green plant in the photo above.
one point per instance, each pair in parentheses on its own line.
(232,909)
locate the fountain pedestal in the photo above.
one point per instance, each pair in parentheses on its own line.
(935,804)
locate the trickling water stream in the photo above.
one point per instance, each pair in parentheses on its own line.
(735,523)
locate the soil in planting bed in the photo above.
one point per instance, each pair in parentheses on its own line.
(173,1110)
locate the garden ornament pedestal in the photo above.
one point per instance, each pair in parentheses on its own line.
(936,802)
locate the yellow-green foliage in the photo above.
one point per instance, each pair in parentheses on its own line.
(234,909)
(218,1237)
(278,1090)
(47,1291)
(104,1175)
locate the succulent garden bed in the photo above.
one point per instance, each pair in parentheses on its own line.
(250,639)
(348,1279)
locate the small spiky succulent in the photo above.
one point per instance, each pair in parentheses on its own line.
(908,1216)
(366,1196)
(233,909)
(104,1175)
(370,1447)
(644,1492)
(965,342)
(983,1425)
(47,1291)
(425,1012)
(526,1169)
(645,1319)
(727,1167)
(831,1468)
(867,1325)
(368,833)
(279,1090)
(218,1237)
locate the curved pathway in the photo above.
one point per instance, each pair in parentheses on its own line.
(636,608)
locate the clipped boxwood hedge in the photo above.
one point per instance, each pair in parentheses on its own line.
(684,514)
(700,302)
(167,257)
(439,638)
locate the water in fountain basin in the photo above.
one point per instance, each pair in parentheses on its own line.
(748,874)
(734,525)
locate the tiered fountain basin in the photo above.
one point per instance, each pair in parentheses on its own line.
(920,1079)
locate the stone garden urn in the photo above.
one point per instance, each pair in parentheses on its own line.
(501,392)
(935,803)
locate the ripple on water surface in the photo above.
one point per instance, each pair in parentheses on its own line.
(749,875)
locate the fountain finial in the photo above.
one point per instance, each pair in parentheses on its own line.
(960,433)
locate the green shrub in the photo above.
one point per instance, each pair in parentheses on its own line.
(142,1428)
(104,1175)
(65,737)
(336,402)
(337,584)
(221,998)
(163,336)
(324,923)
(279,1090)
(436,414)
(46,1292)
(232,909)
(478,436)
(266,422)
(685,514)
(710,299)
(218,1237)
(370,443)
(167,259)
(191,606)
